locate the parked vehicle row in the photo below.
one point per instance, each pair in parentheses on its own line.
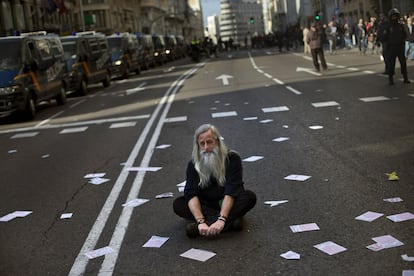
(35,67)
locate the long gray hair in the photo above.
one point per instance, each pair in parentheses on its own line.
(221,154)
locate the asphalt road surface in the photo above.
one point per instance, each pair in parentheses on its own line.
(345,128)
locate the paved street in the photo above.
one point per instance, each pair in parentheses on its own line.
(346,129)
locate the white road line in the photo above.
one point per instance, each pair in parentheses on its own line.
(352,69)
(73,130)
(267,75)
(374,99)
(77,103)
(293,90)
(77,123)
(125,124)
(279,81)
(176,119)
(325,104)
(24,135)
(116,241)
(48,120)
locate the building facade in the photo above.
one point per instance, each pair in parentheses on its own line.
(240,19)
(107,16)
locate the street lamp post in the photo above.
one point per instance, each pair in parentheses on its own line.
(81,15)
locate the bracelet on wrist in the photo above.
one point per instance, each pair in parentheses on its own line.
(201,221)
(222,218)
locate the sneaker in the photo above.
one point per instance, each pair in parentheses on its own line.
(191,229)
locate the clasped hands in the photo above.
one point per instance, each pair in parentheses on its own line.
(211,231)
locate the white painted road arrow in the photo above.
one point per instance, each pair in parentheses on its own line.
(225,78)
(136,89)
(308,70)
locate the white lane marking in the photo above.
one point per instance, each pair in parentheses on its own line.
(116,241)
(125,124)
(48,120)
(275,109)
(77,123)
(24,135)
(352,69)
(411,95)
(279,81)
(369,72)
(325,104)
(176,119)
(293,90)
(73,130)
(340,66)
(223,114)
(374,99)
(268,76)
(77,103)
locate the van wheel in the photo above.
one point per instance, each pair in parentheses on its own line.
(30,108)
(83,89)
(61,98)
(107,81)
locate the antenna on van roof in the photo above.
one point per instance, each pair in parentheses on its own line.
(34,33)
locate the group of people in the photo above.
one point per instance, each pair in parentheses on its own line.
(394,36)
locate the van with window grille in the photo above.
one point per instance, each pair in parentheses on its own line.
(32,70)
(88,60)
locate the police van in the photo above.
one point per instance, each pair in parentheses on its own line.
(32,69)
(124,54)
(87,60)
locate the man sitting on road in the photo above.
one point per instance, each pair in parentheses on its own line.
(214,196)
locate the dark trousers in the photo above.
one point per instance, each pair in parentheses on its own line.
(394,52)
(315,53)
(244,202)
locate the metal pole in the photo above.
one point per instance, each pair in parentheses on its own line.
(81,15)
(380,6)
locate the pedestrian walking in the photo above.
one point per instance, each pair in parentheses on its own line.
(331,33)
(409,42)
(306,47)
(315,40)
(214,196)
(392,33)
(360,33)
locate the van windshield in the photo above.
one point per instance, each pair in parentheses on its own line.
(115,45)
(69,48)
(10,55)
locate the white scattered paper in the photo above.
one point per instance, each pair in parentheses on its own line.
(143,169)
(156,242)
(330,247)
(407,272)
(94,175)
(163,146)
(290,255)
(12,151)
(99,252)
(253,158)
(369,216)
(45,156)
(401,217)
(266,121)
(285,126)
(181,186)
(383,242)
(275,202)
(135,202)
(280,139)
(198,254)
(407,258)
(164,195)
(393,199)
(224,114)
(66,216)
(297,177)
(304,227)
(15,214)
(316,127)
(98,180)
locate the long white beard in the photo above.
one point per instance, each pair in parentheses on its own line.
(210,166)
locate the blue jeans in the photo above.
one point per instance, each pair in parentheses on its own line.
(409,48)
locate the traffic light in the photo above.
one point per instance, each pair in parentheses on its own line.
(317,16)
(251,20)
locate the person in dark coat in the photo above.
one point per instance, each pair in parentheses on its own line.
(392,34)
(315,41)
